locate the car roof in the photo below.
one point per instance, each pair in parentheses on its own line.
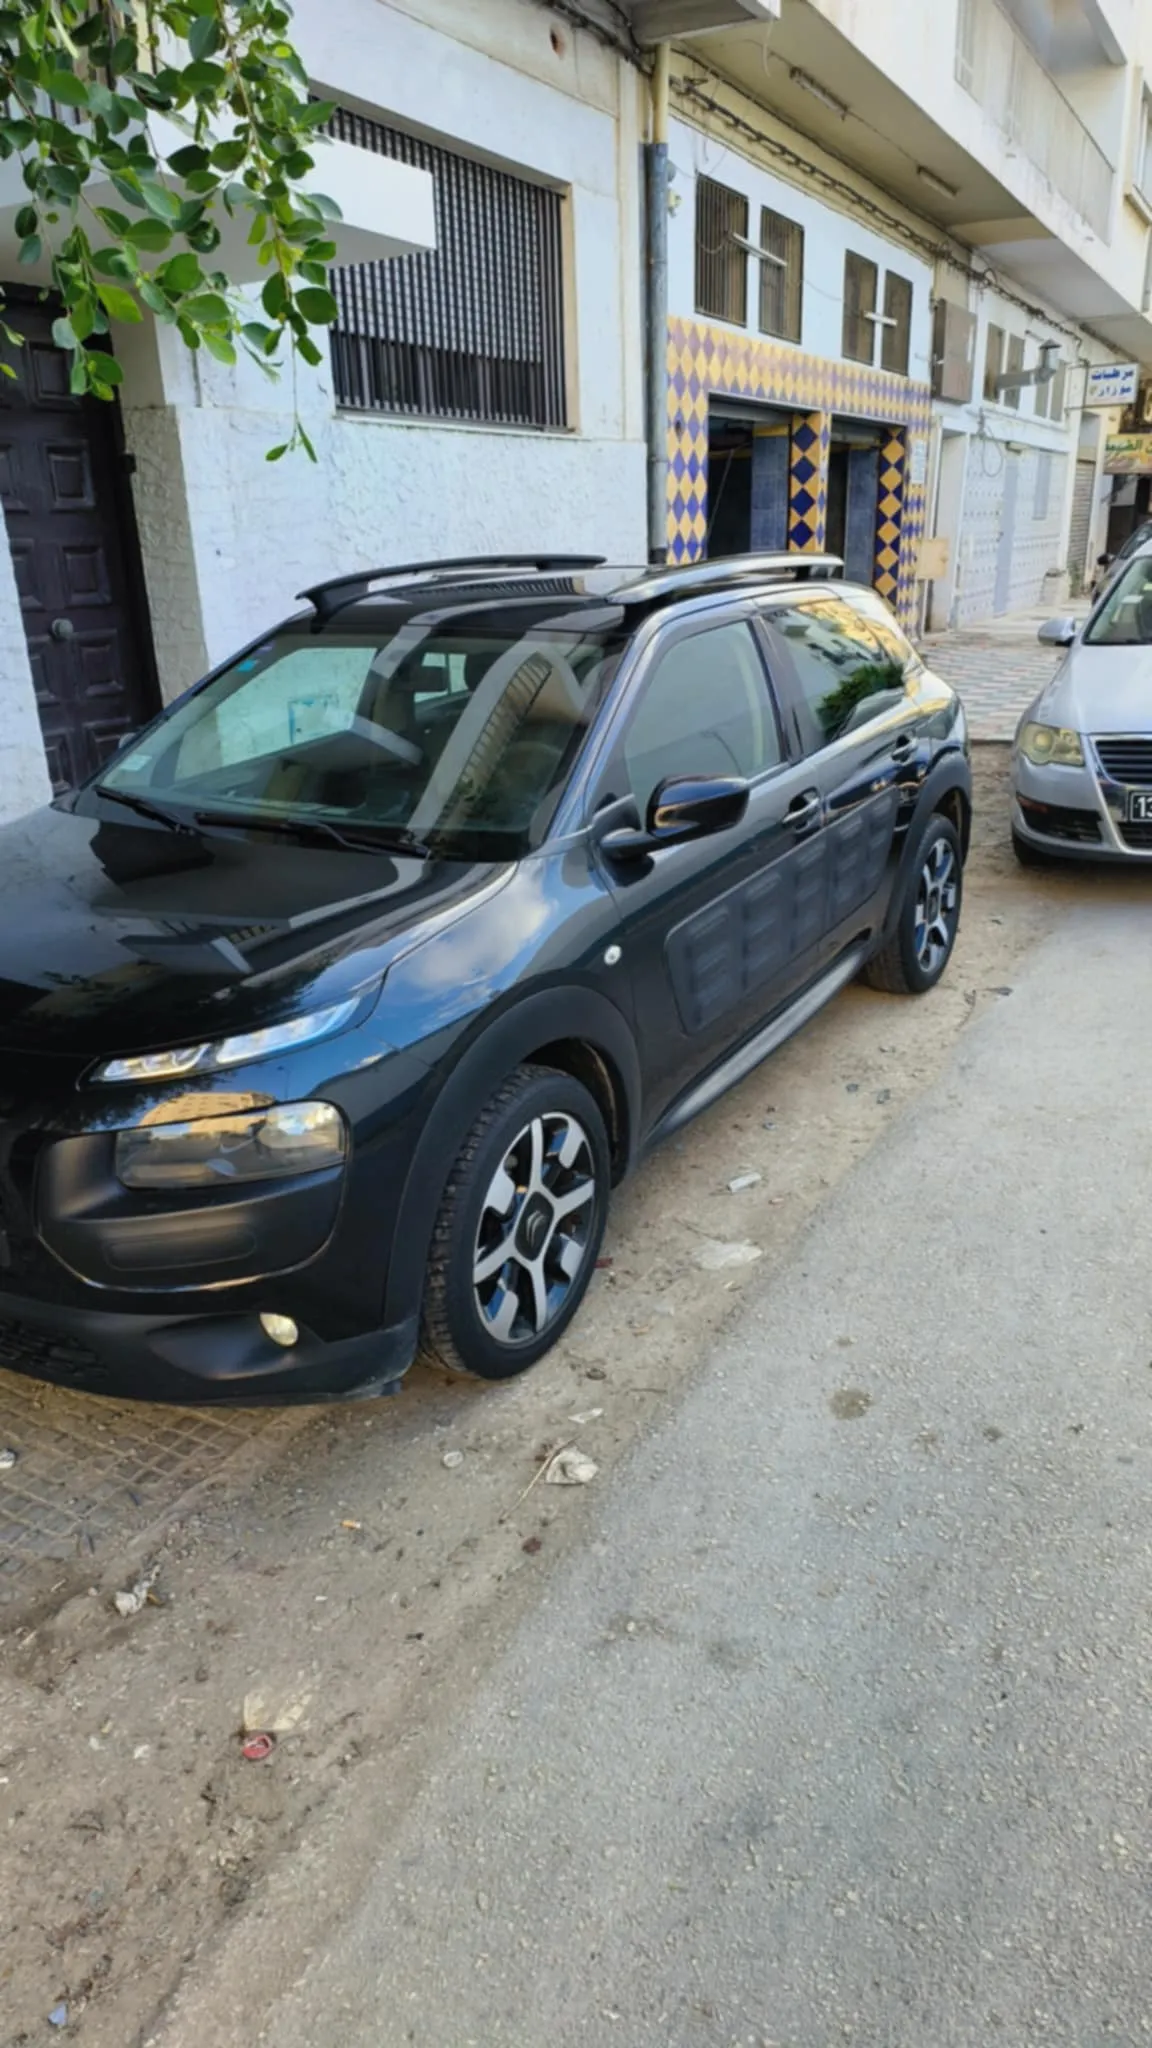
(597,594)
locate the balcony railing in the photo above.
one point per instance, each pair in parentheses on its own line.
(996,66)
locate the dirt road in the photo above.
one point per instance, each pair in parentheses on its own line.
(337,1574)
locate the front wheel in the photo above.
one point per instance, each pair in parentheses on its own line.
(1029,856)
(921,947)
(520,1225)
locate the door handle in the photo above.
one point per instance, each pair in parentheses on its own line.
(904,748)
(62,629)
(804,811)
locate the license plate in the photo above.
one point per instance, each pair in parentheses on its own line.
(1140,806)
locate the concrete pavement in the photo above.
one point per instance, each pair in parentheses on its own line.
(839,1730)
(998,666)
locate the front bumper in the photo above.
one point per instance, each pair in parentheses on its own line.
(193,1360)
(1073,813)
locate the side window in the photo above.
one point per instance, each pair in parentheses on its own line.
(705,711)
(896,644)
(847,668)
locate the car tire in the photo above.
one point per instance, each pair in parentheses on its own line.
(1029,856)
(532,1177)
(920,948)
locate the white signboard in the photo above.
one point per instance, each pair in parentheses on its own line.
(918,460)
(1112,384)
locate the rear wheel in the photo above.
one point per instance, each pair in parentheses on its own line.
(519,1228)
(915,957)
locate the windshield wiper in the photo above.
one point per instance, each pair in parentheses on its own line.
(354,840)
(145,808)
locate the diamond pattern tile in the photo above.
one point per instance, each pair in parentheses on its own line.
(702,360)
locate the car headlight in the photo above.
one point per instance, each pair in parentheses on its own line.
(229,1052)
(215,1151)
(1051,746)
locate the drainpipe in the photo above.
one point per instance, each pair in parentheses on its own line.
(656,309)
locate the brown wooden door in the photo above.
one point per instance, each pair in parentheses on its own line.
(71,527)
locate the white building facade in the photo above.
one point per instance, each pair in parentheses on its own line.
(1008,143)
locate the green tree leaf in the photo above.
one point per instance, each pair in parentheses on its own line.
(117,304)
(318,307)
(65,87)
(180,274)
(148,234)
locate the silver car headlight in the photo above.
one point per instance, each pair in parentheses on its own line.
(218,1151)
(1051,746)
(229,1052)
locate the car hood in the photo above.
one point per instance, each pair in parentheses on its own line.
(1101,689)
(125,936)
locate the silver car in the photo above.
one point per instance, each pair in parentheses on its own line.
(1082,756)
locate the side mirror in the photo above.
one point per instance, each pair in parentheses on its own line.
(682,808)
(1057,633)
(1104,561)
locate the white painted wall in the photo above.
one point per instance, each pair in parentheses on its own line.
(993,428)
(828,234)
(228,538)
(23,774)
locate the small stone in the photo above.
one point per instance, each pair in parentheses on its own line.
(7,1459)
(451,1460)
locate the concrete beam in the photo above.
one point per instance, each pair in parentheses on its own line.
(658,21)
(387,210)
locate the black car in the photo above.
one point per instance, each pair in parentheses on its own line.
(333,1009)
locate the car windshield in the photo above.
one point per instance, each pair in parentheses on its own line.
(1125,617)
(459,742)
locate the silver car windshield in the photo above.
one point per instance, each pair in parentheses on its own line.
(459,740)
(1125,617)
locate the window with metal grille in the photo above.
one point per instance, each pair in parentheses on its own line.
(1015,362)
(721,264)
(897,341)
(860,281)
(993,358)
(782,282)
(470,330)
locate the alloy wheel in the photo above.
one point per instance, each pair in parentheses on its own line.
(535,1229)
(937,902)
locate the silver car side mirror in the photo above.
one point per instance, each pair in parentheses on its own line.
(1057,633)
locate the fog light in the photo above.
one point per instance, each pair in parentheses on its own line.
(281,1329)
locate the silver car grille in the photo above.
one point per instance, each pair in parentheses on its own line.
(1125,760)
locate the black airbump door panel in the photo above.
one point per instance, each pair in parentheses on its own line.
(858,849)
(748,938)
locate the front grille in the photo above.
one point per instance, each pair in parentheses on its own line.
(24,1347)
(1061,821)
(1137,836)
(1126,760)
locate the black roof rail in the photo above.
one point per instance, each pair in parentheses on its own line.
(726,571)
(332,595)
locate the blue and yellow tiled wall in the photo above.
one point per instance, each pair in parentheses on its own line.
(704,361)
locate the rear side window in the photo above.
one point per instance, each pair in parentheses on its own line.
(847,669)
(705,710)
